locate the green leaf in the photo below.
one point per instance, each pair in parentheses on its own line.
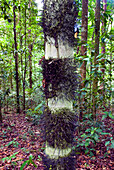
(30,157)
(77,153)
(6,158)
(10,143)
(80,64)
(14,155)
(83,135)
(33,164)
(104,116)
(104,133)
(39,156)
(87,142)
(10,157)
(86,151)
(92,132)
(96,137)
(112,144)
(107,143)
(91,154)
(111,116)
(98,130)
(38,107)
(88,130)
(23,165)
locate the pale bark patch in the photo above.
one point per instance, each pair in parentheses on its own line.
(63,50)
(55,104)
(55,153)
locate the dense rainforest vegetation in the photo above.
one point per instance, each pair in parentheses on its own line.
(22,84)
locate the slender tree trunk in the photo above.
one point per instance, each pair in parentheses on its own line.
(21,43)
(16,60)
(11,78)
(24,77)
(30,50)
(102,87)
(0,105)
(97,34)
(103,28)
(0,111)
(30,65)
(4,90)
(111,61)
(60,83)
(84,50)
(92,55)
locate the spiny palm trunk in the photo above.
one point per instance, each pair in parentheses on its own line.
(61,81)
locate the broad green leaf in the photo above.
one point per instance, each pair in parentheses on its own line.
(23,165)
(33,164)
(30,157)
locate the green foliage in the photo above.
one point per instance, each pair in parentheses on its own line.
(34,36)
(88,139)
(39,107)
(93,133)
(107,115)
(28,162)
(14,143)
(10,157)
(35,113)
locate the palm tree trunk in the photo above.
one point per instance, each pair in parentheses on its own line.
(61,81)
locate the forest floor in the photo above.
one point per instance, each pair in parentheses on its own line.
(20,142)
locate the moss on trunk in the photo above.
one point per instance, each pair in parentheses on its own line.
(59,127)
(61,78)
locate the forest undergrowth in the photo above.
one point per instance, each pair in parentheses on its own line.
(21,144)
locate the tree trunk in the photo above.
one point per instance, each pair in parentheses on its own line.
(16,60)
(30,50)
(84,50)
(111,102)
(0,104)
(30,66)
(97,34)
(103,27)
(102,86)
(24,77)
(61,81)
(0,111)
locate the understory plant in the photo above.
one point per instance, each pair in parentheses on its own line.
(93,133)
